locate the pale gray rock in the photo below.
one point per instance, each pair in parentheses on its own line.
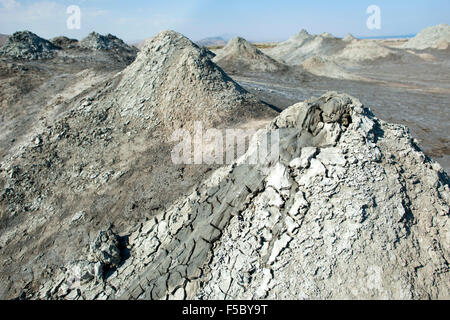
(279,178)
(105,249)
(331,156)
(303,161)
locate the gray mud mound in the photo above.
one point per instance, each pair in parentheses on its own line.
(26,45)
(106,160)
(436,37)
(96,41)
(108,43)
(177,79)
(239,55)
(351,209)
(303,46)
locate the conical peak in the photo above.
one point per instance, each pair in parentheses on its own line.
(239,42)
(92,35)
(172,63)
(304,32)
(301,36)
(171,43)
(349,37)
(98,41)
(170,37)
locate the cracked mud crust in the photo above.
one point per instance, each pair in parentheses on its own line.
(352,209)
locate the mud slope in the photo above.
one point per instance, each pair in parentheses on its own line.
(37,83)
(106,159)
(351,209)
(327,67)
(436,37)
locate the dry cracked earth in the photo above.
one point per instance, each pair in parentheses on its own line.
(354,205)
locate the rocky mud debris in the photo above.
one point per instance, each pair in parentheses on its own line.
(29,46)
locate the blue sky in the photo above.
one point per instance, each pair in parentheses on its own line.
(260,20)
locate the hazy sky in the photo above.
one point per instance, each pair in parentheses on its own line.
(255,20)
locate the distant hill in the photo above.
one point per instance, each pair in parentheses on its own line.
(212,41)
(142,43)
